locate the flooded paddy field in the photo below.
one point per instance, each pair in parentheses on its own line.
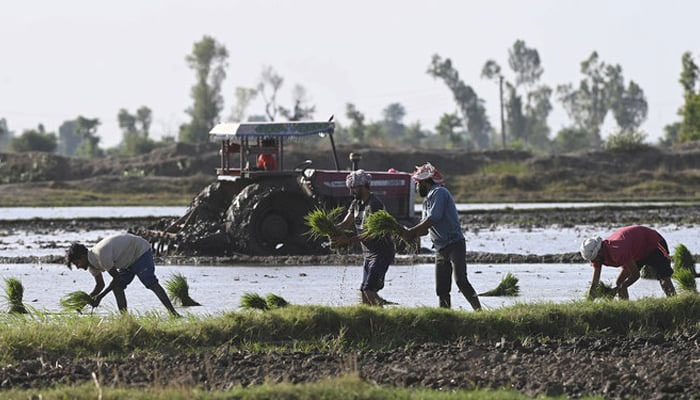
(219,289)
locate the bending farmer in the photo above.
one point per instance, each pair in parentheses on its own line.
(378,253)
(631,248)
(122,256)
(441,220)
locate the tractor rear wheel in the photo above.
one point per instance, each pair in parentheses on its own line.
(269,220)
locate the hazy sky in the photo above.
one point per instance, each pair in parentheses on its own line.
(65,58)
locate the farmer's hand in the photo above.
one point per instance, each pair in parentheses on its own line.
(339,240)
(407,234)
(95,301)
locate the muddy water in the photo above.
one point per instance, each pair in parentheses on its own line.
(502,239)
(219,289)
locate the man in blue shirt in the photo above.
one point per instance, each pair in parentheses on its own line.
(441,220)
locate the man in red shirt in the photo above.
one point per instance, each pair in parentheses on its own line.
(631,248)
(266,161)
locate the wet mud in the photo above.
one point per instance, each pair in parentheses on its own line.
(614,367)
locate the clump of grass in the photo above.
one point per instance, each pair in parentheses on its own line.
(507,287)
(324,223)
(685,279)
(604,291)
(274,301)
(648,272)
(14,292)
(682,259)
(253,301)
(76,301)
(179,291)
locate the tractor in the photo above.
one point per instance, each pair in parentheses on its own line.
(258,207)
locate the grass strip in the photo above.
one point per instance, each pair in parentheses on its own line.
(179,291)
(75,301)
(508,287)
(342,388)
(67,335)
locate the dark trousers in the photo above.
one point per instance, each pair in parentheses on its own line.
(452,258)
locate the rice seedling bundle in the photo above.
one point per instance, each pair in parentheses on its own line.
(685,279)
(14,292)
(179,291)
(76,301)
(324,223)
(381,223)
(508,287)
(274,301)
(253,301)
(604,290)
(682,259)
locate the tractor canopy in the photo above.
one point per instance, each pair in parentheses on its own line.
(228,131)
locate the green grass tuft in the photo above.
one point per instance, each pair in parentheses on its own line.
(76,301)
(179,291)
(324,223)
(14,292)
(682,259)
(253,301)
(685,279)
(274,301)
(507,287)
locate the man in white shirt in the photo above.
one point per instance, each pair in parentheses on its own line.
(123,256)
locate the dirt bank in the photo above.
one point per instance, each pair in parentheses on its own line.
(614,367)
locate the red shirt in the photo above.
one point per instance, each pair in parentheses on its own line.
(630,244)
(267,162)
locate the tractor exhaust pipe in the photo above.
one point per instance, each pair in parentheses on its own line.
(355,159)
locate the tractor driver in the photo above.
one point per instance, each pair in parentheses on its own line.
(266,161)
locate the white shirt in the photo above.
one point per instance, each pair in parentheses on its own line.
(118,251)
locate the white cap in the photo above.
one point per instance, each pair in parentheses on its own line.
(358,178)
(590,248)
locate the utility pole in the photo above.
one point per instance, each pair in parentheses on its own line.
(503,123)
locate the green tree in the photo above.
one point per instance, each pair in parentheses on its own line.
(34,140)
(357,123)
(268,87)
(208,61)
(301,110)
(601,90)
(414,135)
(5,134)
(68,139)
(448,128)
(671,134)
(393,116)
(625,140)
(86,128)
(135,131)
(244,96)
(527,104)
(470,105)
(690,111)
(571,139)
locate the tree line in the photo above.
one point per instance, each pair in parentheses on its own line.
(525,105)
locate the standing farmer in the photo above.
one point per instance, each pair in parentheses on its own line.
(631,248)
(440,219)
(379,252)
(122,256)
